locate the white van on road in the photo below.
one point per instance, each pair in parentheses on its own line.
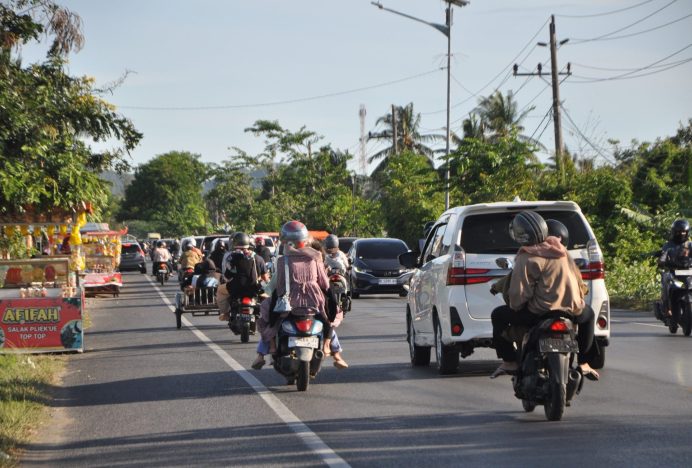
(466,250)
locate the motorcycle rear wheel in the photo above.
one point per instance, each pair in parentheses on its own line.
(686,319)
(554,406)
(245,334)
(303,378)
(160,278)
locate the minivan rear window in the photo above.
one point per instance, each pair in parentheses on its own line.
(377,249)
(130,248)
(489,232)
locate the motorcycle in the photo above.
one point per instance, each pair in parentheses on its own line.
(680,299)
(185,276)
(243,317)
(162,272)
(548,373)
(299,350)
(338,288)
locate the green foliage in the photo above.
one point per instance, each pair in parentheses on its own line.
(409,198)
(632,284)
(167,192)
(497,170)
(45,118)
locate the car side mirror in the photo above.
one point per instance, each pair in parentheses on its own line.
(409,259)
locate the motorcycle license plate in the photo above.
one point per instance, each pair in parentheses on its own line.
(387,281)
(683,272)
(246,317)
(163,271)
(557,345)
(303,342)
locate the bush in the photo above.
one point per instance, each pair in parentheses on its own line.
(632,284)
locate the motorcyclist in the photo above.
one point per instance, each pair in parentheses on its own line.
(675,253)
(307,283)
(219,252)
(244,270)
(544,279)
(262,250)
(335,259)
(161,255)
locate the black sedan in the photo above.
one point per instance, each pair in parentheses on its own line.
(375,267)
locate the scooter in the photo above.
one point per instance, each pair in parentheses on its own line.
(548,373)
(338,287)
(680,299)
(162,272)
(243,317)
(299,352)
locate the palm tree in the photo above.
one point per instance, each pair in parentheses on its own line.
(408,135)
(500,115)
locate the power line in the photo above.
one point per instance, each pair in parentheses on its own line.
(579,41)
(496,76)
(640,32)
(581,65)
(575,127)
(541,123)
(288,101)
(628,75)
(607,12)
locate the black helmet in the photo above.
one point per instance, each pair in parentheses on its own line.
(557,229)
(331,242)
(293,231)
(241,241)
(528,228)
(680,231)
(160,244)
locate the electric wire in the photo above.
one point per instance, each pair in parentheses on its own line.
(603,36)
(287,101)
(644,31)
(575,127)
(628,75)
(581,65)
(550,108)
(607,12)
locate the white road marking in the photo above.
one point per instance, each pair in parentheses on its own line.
(312,440)
(639,323)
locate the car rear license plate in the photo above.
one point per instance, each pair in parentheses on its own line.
(387,281)
(303,342)
(683,272)
(557,345)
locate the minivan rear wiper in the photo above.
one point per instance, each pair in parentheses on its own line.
(496,250)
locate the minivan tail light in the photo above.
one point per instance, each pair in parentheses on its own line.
(462,276)
(596,268)
(594,271)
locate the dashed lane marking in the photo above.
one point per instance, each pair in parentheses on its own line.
(312,440)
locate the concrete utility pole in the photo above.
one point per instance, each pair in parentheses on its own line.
(554,74)
(361,115)
(395,142)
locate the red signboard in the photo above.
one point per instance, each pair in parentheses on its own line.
(41,324)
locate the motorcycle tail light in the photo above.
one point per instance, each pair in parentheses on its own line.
(559,326)
(335,278)
(246,301)
(304,325)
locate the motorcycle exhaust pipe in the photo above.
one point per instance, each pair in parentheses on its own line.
(318,354)
(574,381)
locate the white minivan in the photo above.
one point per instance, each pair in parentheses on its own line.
(466,250)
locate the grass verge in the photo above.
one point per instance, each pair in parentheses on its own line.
(25,382)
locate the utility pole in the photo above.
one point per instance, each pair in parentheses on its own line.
(395,142)
(554,74)
(361,115)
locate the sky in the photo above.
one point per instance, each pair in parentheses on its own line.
(200,72)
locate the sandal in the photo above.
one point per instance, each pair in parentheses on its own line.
(258,363)
(502,371)
(590,374)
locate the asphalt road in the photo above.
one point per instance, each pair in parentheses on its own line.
(145,393)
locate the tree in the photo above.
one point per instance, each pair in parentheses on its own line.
(231,201)
(409,197)
(167,192)
(500,115)
(46,115)
(407,133)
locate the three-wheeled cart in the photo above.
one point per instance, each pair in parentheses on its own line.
(195,301)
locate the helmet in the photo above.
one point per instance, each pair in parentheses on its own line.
(331,242)
(160,244)
(259,240)
(528,228)
(293,231)
(680,231)
(241,241)
(557,229)
(222,244)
